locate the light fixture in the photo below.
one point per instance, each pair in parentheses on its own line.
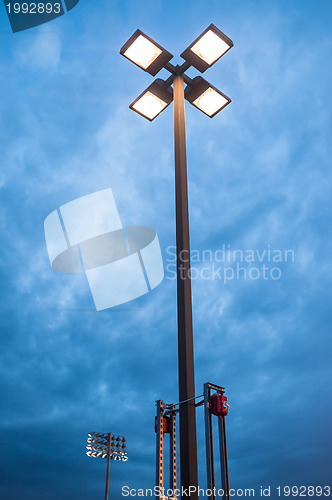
(145,53)
(206,97)
(201,54)
(103,446)
(207,48)
(153,100)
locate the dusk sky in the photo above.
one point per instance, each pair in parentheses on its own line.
(259,178)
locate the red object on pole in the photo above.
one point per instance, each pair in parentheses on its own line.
(219,405)
(166,424)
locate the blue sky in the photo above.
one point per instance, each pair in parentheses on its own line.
(259,175)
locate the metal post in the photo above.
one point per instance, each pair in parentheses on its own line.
(160,448)
(223,457)
(108,466)
(172,452)
(209,441)
(188,443)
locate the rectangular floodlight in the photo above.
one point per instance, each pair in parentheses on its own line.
(206,97)
(100,447)
(145,53)
(153,100)
(207,48)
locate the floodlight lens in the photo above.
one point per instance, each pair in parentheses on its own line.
(210,47)
(210,102)
(149,105)
(142,52)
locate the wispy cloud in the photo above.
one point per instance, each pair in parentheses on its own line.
(258,176)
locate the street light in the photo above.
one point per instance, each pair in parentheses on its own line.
(153,100)
(207,48)
(145,53)
(110,446)
(206,97)
(152,57)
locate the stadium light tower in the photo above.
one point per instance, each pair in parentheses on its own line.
(109,446)
(152,57)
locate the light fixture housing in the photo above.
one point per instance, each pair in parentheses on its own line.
(103,445)
(206,97)
(153,100)
(145,53)
(207,48)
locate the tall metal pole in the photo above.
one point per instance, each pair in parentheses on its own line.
(160,449)
(172,453)
(223,457)
(108,467)
(188,443)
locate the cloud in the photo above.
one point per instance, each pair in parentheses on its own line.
(257,177)
(42,53)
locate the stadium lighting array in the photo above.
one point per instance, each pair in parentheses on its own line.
(103,445)
(109,446)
